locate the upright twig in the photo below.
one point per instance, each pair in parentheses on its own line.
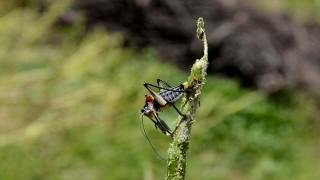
(177,153)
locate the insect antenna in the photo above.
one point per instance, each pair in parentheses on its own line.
(145,133)
(143,130)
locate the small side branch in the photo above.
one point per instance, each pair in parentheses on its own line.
(177,153)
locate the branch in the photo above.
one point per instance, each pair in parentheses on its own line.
(177,153)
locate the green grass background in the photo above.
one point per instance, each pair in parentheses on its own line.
(70,109)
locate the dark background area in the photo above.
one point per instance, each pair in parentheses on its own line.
(268,50)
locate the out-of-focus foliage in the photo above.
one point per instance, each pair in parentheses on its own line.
(302,10)
(69,109)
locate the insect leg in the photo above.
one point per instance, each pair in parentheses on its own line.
(155,123)
(160,85)
(162,125)
(158,98)
(148,84)
(177,110)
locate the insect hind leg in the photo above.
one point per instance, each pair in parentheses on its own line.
(180,113)
(148,84)
(164,82)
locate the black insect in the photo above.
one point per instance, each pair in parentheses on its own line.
(158,102)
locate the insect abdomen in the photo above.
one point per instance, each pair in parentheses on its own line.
(172,96)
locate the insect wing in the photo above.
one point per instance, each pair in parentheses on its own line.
(156,96)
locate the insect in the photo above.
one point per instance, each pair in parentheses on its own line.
(158,102)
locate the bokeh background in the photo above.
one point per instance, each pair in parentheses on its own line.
(71,92)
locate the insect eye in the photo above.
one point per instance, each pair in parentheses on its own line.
(142,110)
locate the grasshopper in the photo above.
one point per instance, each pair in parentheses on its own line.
(158,102)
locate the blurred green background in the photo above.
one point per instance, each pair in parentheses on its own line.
(70,108)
